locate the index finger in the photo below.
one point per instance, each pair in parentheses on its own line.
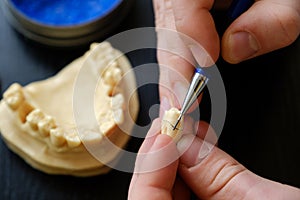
(156,184)
(193,19)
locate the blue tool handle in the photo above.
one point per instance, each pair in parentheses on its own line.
(237,7)
(199,70)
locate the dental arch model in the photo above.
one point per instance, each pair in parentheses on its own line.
(37,121)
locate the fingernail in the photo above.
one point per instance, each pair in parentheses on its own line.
(180,90)
(164,105)
(193,150)
(242,46)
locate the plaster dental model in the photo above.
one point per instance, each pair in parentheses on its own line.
(37,121)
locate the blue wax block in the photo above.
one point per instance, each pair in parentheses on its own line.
(65,12)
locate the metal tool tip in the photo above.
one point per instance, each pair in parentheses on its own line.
(177,122)
(175,126)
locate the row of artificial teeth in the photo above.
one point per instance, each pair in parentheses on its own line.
(39,122)
(114,116)
(102,55)
(46,126)
(102,59)
(111,75)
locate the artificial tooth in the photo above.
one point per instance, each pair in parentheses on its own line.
(73,140)
(34,117)
(111,78)
(45,125)
(118,116)
(57,137)
(23,110)
(14,96)
(105,46)
(117,101)
(108,77)
(94,46)
(117,75)
(91,136)
(168,123)
(106,126)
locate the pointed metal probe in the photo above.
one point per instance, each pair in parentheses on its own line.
(198,83)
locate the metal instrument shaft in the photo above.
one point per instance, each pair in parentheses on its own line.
(197,85)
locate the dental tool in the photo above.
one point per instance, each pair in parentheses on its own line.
(197,85)
(200,80)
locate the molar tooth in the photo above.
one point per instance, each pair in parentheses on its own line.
(14,96)
(118,116)
(73,140)
(117,101)
(45,125)
(23,110)
(57,137)
(108,77)
(169,120)
(92,136)
(105,45)
(117,74)
(34,118)
(94,45)
(112,76)
(106,126)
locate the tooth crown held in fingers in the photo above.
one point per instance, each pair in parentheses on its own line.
(169,120)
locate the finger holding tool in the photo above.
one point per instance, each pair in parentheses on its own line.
(199,80)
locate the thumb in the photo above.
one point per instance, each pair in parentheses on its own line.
(213,174)
(268,25)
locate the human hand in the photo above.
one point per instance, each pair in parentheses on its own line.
(202,168)
(268,25)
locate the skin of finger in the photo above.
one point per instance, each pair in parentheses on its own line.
(205,132)
(151,136)
(262,20)
(157,184)
(267,189)
(211,178)
(219,176)
(174,68)
(178,71)
(180,190)
(188,125)
(193,19)
(168,92)
(147,143)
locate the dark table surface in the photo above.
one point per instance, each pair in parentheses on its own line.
(262,127)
